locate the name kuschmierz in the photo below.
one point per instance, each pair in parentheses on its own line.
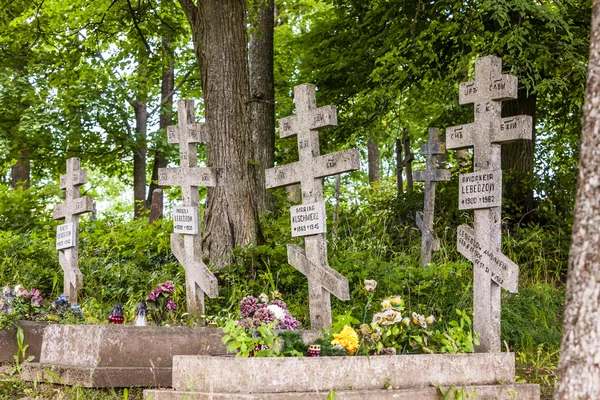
(305,217)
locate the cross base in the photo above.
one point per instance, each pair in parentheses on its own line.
(73,279)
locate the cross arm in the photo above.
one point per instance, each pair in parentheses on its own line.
(330,279)
(314,119)
(513,128)
(460,137)
(283,175)
(500,268)
(436,175)
(433,149)
(195,269)
(195,133)
(73,207)
(78,178)
(336,163)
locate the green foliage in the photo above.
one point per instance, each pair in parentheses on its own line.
(258,341)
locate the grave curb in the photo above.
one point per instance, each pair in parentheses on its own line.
(297,374)
(525,391)
(33,337)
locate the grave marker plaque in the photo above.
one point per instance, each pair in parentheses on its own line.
(481,244)
(309,171)
(185,241)
(433,149)
(481,189)
(67,234)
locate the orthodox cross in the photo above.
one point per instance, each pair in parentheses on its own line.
(185,241)
(67,234)
(308,219)
(432,150)
(482,191)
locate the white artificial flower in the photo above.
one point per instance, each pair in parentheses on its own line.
(277,311)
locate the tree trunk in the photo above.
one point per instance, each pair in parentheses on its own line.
(408,159)
(220,44)
(579,366)
(21,171)
(140,108)
(262,101)
(373,159)
(166,111)
(517,160)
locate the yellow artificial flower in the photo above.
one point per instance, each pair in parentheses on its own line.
(385,304)
(347,338)
(396,301)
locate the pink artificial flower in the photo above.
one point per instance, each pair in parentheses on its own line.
(34,293)
(153,296)
(171,305)
(21,291)
(36,301)
(167,287)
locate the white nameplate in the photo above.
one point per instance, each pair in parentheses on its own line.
(65,236)
(480,190)
(185,220)
(308,219)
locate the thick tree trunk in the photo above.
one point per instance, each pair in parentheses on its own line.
(373,159)
(220,43)
(262,101)
(21,171)
(579,367)
(166,98)
(517,160)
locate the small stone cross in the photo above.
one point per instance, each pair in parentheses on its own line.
(309,171)
(68,233)
(479,189)
(433,149)
(187,247)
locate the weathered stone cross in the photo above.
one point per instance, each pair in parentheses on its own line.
(308,219)
(430,176)
(187,247)
(482,191)
(67,234)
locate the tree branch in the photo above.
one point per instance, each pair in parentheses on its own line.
(175,89)
(137,27)
(190,9)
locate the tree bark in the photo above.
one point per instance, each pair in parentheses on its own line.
(374,163)
(21,171)
(262,101)
(140,109)
(166,118)
(518,159)
(220,45)
(579,366)
(408,159)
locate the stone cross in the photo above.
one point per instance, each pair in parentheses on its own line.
(481,191)
(308,219)
(433,149)
(185,241)
(67,234)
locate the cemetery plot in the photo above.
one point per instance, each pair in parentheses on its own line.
(308,219)
(185,241)
(482,191)
(67,234)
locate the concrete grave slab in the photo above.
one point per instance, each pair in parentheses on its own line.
(33,333)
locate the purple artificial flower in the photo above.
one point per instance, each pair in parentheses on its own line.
(245,323)
(34,293)
(153,296)
(248,305)
(288,322)
(167,287)
(171,304)
(279,303)
(263,314)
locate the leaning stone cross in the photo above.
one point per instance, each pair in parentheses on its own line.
(433,149)
(482,191)
(308,219)
(67,234)
(185,241)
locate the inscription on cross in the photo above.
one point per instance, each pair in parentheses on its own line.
(430,175)
(481,190)
(67,234)
(185,241)
(309,218)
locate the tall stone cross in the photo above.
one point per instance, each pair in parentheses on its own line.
(186,241)
(432,150)
(308,219)
(482,191)
(67,234)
